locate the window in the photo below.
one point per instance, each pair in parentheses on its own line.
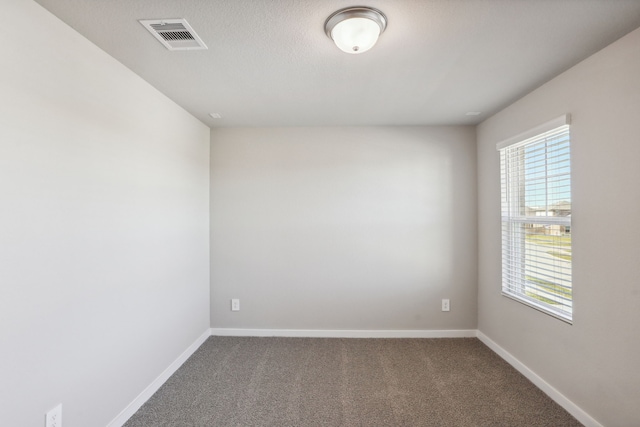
(535,169)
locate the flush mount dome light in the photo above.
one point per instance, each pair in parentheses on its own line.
(355,29)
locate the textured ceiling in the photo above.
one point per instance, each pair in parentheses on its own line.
(269,62)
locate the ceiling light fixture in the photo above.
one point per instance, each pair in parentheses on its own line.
(355,29)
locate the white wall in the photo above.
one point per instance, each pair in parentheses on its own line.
(594,362)
(103,226)
(343,228)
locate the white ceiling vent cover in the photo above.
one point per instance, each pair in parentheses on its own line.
(174,34)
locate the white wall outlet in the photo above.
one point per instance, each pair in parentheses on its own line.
(235,304)
(54,417)
(445,304)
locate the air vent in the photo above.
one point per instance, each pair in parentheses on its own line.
(174,34)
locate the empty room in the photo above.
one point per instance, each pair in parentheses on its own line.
(319,213)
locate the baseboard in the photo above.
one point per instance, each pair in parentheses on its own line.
(344,333)
(547,388)
(131,409)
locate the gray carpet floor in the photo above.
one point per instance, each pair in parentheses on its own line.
(233,381)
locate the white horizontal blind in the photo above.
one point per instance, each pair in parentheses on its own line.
(536,222)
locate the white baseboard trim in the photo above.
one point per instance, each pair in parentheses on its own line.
(131,409)
(547,388)
(344,333)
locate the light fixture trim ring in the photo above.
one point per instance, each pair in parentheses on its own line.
(371,13)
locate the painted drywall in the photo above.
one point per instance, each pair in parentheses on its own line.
(343,228)
(104,215)
(593,362)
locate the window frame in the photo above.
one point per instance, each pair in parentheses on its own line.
(515,258)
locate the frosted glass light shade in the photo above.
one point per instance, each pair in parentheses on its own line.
(355,30)
(355,35)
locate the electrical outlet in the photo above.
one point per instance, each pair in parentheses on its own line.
(235,305)
(445,304)
(54,417)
